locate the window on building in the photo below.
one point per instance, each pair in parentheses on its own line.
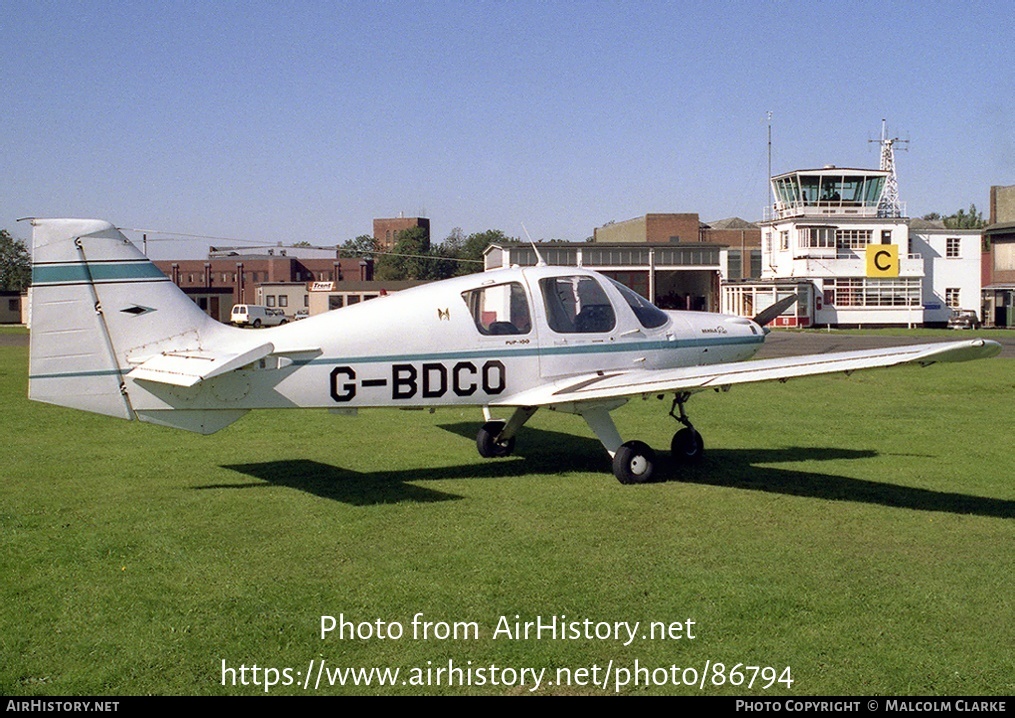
(784,239)
(886,236)
(864,292)
(952,245)
(817,237)
(335,301)
(755,263)
(852,238)
(352,299)
(768,242)
(269,301)
(1004,256)
(734,264)
(306,300)
(283,300)
(190,279)
(952,297)
(500,309)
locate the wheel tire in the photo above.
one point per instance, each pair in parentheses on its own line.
(487,444)
(257,324)
(282,322)
(634,463)
(687,446)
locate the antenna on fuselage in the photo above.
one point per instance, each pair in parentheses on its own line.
(539,258)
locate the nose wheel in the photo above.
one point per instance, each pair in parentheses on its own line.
(687,446)
(497,438)
(488,444)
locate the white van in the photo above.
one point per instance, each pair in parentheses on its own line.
(254,315)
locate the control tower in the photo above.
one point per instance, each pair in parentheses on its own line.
(828,192)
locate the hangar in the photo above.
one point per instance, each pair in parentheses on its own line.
(673,276)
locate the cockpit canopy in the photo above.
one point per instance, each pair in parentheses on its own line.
(573,304)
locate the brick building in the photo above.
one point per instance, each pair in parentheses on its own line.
(386,230)
(743,238)
(216,284)
(998,268)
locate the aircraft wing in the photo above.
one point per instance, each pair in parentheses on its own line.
(607,385)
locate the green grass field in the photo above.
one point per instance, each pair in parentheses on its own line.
(860,531)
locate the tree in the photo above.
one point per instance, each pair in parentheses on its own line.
(362,245)
(408,259)
(414,258)
(972,219)
(15,264)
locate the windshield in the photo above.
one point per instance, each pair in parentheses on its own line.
(647,313)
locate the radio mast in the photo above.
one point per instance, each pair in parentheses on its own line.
(889,206)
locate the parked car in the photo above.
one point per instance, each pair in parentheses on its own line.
(254,315)
(963,319)
(301,314)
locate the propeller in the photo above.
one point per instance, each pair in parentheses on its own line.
(766,315)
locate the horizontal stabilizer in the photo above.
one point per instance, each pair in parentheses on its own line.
(191,367)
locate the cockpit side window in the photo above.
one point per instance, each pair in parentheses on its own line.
(648,314)
(499,309)
(577,305)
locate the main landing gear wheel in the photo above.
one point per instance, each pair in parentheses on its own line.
(687,446)
(634,463)
(486,441)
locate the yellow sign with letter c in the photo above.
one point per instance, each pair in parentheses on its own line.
(882,260)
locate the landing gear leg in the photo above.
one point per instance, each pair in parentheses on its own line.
(687,446)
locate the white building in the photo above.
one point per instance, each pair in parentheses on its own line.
(820,238)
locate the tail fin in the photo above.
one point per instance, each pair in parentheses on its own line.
(98,307)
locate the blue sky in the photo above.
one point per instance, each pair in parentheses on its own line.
(305,120)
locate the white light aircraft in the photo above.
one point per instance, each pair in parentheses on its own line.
(111,334)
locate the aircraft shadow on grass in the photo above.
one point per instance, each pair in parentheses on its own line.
(541,452)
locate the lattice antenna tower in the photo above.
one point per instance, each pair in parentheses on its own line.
(889,206)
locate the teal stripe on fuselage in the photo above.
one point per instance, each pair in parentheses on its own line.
(77,272)
(493,353)
(604,348)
